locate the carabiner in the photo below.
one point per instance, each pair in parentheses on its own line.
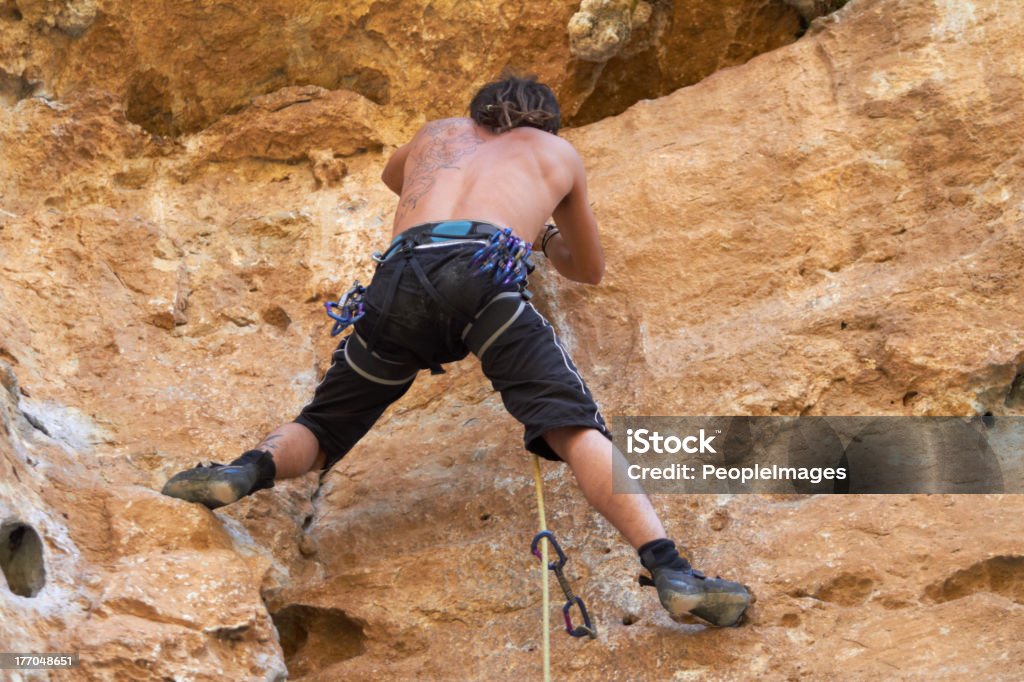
(585,630)
(350,308)
(535,549)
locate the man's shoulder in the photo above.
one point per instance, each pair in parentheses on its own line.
(532,136)
(454,122)
(544,139)
(560,148)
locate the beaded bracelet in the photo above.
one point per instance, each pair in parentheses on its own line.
(550,232)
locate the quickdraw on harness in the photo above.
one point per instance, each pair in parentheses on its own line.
(507,256)
(346,310)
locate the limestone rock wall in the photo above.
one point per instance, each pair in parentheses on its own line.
(834,227)
(178,67)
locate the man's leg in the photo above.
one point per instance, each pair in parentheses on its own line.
(295,450)
(680,588)
(541,387)
(344,407)
(590,455)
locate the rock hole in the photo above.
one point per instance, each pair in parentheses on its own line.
(1002,575)
(315,638)
(149,103)
(485,516)
(14,88)
(847,589)
(843,325)
(372,84)
(909,396)
(9,10)
(21,559)
(630,618)
(277,317)
(1015,396)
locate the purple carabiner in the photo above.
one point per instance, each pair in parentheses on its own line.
(587,629)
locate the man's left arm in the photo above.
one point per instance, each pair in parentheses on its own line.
(394,172)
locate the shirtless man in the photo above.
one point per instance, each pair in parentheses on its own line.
(473,193)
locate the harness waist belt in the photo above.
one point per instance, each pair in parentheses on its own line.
(445,232)
(480,331)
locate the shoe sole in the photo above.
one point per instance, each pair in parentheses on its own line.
(728,606)
(202,490)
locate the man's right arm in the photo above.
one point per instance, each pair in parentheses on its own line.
(576,251)
(394,172)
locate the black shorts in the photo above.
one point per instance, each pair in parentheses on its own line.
(539,384)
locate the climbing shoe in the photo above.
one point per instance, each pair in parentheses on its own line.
(682,589)
(216,485)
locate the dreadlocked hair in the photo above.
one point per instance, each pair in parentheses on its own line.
(515,102)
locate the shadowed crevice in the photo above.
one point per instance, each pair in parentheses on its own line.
(21,559)
(315,638)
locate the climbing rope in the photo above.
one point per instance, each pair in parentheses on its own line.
(540,550)
(546,615)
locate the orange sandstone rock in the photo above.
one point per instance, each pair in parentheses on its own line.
(831,228)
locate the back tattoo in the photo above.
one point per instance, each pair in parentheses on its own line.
(444,143)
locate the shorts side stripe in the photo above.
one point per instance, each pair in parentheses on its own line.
(568,365)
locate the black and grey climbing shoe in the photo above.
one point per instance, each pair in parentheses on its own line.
(682,589)
(216,485)
(719,602)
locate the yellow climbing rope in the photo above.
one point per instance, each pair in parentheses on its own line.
(545,618)
(556,567)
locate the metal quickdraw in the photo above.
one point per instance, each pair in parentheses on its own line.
(507,256)
(587,629)
(349,307)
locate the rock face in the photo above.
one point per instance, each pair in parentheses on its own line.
(179,67)
(835,227)
(812,9)
(602,28)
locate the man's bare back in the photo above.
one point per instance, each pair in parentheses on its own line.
(454,169)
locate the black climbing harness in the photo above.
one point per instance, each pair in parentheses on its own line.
(587,629)
(503,256)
